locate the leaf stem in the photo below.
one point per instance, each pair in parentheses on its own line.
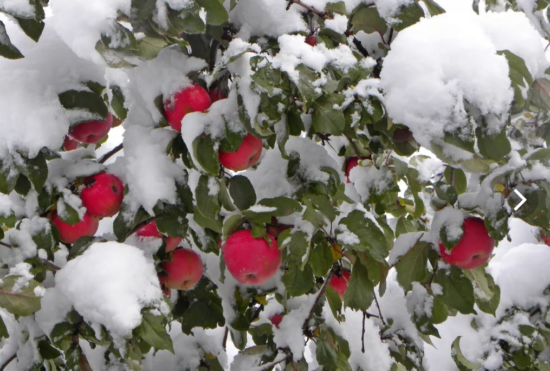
(379,311)
(8,362)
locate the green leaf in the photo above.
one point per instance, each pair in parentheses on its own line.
(69,215)
(326,355)
(325,118)
(61,335)
(413,266)
(487,296)
(408,16)
(360,292)
(203,149)
(541,93)
(334,301)
(80,246)
(44,239)
(433,7)
(403,226)
(142,9)
(493,147)
(84,100)
(298,282)
(519,75)
(459,357)
(458,291)
(23,303)
(35,169)
(242,192)
(321,259)
(46,350)
(3,329)
(153,331)
(149,47)
(370,236)
(119,38)
(312,216)
(456,178)
(216,15)
(305,83)
(232,224)
(173,221)
(117,103)
(368,20)
(31,27)
(7,49)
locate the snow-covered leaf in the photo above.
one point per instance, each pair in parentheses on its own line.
(22,302)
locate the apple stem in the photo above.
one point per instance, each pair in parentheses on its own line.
(108,155)
(8,362)
(49,264)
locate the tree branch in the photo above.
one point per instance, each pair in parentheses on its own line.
(108,155)
(363,333)
(321,292)
(225,337)
(6,245)
(8,362)
(319,13)
(379,311)
(51,265)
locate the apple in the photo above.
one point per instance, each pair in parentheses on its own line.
(69,144)
(102,195)
(311,40)
(248,154)
(191,99)
(183,270)
(340,283)
(70,233)
(150,230)
(92,132)
(216,94)
(250,260)
(474,248)
(275,228)
(276,320)
(350,164)
(546,240)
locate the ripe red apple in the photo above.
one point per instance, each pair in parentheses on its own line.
(340,284)
(350,164)
(183,270)
(251,260)
(103,195)
(92,132)
(546,240)
(311,40)
(70,233)
(191,99)
(276,320)
(474,248)
(248,154)
(150,230)
(216,94)
(69,144)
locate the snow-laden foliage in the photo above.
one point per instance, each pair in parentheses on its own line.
(385,126)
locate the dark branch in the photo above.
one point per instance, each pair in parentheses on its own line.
(319,13)
(319,295)
(108,155)
(379,311)
(8,362)
(6,245)
(363,333)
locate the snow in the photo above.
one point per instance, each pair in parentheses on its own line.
(370,180)
(402,245)
(109,285)
(150,174)
(436,64)
(390,8)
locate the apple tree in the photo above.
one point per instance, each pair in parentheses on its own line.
(274,185)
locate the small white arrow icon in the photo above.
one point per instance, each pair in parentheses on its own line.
(523,200)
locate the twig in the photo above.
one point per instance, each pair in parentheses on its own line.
(50,264)
(310,8)
(390,36)
(225,337)
(321,292)
(6,245)
(379,311)
(108,155)
(8,362)
(363,333)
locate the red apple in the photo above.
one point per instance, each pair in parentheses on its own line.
(276,320)
(69,144)
(340,284)
(248,154)
(93,131)
(474,248)
(546,240)
(183,270)
(103,195)
(216,94)
(70,233)
(351,163)
(311,40)
(150,230)
(251,260)
(191,99)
